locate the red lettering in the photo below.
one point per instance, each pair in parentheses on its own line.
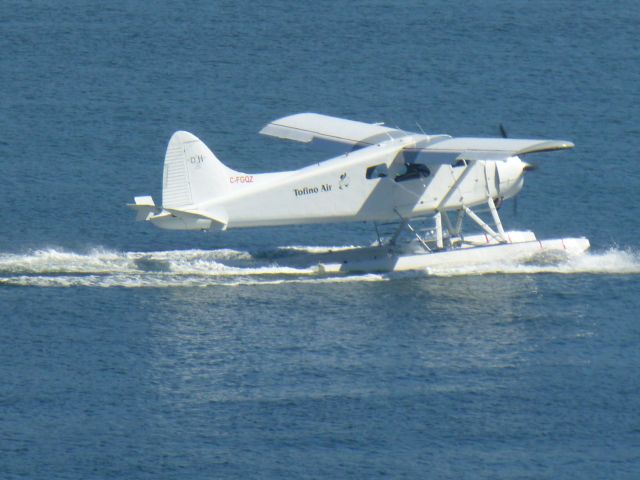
(241,179)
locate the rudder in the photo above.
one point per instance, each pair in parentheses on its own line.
(192,173)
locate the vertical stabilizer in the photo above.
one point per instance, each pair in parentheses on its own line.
(192,173)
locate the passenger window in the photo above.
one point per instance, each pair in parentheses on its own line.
(377,171)
(414,170)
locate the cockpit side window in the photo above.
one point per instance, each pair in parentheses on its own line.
(377,171)
(414,170)
(460,162)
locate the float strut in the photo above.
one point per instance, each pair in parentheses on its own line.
(439,241)
(405,223)
(378,234)
(488,230)
(396,234)
(496,219)
(422,243)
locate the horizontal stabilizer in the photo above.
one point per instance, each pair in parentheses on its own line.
(144,207)
(195,220)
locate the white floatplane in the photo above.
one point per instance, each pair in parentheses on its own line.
(383,175)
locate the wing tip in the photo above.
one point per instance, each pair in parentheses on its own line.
(547,146)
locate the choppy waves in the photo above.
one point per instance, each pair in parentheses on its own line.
(226,267)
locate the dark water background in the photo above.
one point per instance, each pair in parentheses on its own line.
(228,365)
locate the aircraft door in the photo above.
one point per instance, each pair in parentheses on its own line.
(377,189)
(409,186)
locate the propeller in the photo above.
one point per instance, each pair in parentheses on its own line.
(528,167)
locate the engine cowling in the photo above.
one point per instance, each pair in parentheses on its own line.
(510,176)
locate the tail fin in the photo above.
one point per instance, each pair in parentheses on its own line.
(192,173)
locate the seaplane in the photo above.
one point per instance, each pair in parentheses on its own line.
(389,177)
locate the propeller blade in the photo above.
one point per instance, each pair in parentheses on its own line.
(503,132)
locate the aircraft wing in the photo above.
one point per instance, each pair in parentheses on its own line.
(510,146)
(450,149)
(339,132)
(314,127)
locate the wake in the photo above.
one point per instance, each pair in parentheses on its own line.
(177,268)
(227,267)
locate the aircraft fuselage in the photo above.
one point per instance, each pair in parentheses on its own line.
(370,184)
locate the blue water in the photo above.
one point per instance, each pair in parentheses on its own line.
(130,352)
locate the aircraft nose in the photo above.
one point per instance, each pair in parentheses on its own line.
(511,176)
